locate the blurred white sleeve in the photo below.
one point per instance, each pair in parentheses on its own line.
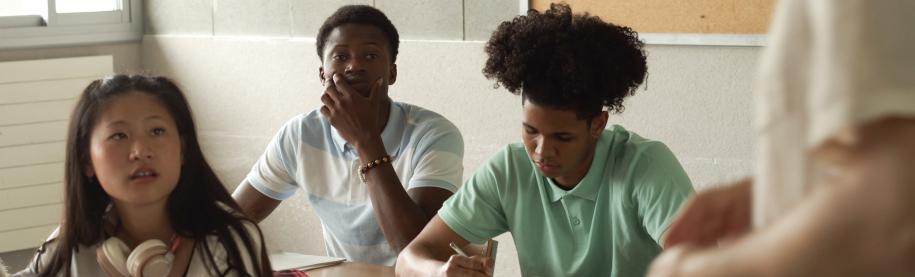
(829,66)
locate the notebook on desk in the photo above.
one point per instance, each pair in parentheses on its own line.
(288,260)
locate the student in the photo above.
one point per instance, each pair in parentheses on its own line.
(834,190)
(138,188)
(578,199)
(374,170)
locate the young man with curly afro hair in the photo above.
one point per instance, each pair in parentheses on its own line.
(579,199)
(373,169)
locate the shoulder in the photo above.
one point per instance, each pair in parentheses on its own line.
(508,163)
(245,238)
(650,165)
(426,130)
(249,226)
(311,121)
(425,120)
(635,148)
(83,259)
(43,255)
(310,128)
(513,155)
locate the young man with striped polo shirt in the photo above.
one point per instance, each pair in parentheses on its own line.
(375,171)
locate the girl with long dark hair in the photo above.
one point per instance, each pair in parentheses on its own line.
(141,199)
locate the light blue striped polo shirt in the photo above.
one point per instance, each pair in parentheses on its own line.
(307,153)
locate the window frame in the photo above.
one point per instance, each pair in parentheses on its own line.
(72,29)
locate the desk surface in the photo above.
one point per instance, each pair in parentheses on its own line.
(352,269)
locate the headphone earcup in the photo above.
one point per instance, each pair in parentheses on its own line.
(111,257)
(149,259)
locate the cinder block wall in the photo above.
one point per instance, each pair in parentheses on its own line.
(415,19)
(248,66)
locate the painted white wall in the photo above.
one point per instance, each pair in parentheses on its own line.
(698,101)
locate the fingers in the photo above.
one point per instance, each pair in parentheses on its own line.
(740,221)
(700,222)
(466,266)
(325,111)
(712,215)
(489,265)
(329,104)
(342,86)
(670,262)
(328,82)
(466,262)
(685,226)
(378,88)
(330,90)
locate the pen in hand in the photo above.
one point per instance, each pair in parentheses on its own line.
(457,249)
(487,268)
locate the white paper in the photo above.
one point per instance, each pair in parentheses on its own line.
(288,260)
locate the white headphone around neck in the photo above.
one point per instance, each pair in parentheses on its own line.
(151,258)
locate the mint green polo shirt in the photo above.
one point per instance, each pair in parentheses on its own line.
(610,224)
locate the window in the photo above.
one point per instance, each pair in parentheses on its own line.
(22,7)
(36,23)
(78,6)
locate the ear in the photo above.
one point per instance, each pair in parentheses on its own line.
(321,74)
(393,73)
(598,123)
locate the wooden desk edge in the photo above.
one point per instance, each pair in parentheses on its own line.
(354,269)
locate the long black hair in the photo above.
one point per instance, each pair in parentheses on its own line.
(196,207)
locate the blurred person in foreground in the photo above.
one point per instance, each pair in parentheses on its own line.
(835,185)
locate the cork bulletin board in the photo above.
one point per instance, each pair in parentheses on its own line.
(706,22)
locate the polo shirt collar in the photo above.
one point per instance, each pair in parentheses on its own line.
(391,135)
(589,186)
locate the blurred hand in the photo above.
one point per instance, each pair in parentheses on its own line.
(467,266)
(673,262)
(712,215)
(354,116)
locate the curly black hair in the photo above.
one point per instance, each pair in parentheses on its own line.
(359,14)
(567,61)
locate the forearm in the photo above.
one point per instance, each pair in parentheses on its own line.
(830,235)
(418,260)
(253,203)
(399,217)
(823,236)
(856,222)
(690,261)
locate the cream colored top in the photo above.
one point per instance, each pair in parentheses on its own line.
(830,65)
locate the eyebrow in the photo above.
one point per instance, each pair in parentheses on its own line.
(555,134)
(367,43)
(121,122)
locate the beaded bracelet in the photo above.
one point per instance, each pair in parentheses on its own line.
(373,164)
